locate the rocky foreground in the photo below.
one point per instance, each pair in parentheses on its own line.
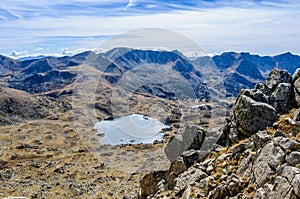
(257,154)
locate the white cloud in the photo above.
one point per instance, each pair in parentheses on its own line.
(17,54)
(131,3)
(268,28)
(39,49)
(68,52)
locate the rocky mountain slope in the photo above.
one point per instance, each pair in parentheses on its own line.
(50,73)
(17,106)
(256,156)
(243,70)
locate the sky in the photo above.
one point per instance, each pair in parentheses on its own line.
(65,27)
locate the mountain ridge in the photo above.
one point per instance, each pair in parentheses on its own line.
(239,70)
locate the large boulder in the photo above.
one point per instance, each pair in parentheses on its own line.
(281,98)
(268,159)
(191,138)
(251,116)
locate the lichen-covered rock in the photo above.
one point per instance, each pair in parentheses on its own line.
(188,177)
(296,82)
(293,159)
(287,143)
(191,138)
(276,77)
(255,94)
(260,139)
(281,98)
(282,188)
(297,91)
(268,159)
(287,185)
(252,116)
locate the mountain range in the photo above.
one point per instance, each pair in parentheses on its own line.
(234,70)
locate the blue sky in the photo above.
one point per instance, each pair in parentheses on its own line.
(70,26)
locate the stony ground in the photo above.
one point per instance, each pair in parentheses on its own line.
(55,157)
(267,165)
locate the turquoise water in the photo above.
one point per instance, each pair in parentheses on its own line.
(132,129)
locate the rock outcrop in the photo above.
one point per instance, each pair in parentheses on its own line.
(296,83)
(255,109)
(255,161)
(191,138)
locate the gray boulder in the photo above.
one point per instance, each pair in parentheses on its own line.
(292,175)
(293,159)
(252,116)
(268,159)
(281,98)
(260,139)
(297,91)
(255,94)
(296,82)
(276,77)
(190,176)
(296,75)
(191,138)
(282,189)
(287,143)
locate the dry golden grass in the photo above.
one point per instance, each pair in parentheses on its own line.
(37,164)
(293,131)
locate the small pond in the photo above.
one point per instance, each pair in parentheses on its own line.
(132,129)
